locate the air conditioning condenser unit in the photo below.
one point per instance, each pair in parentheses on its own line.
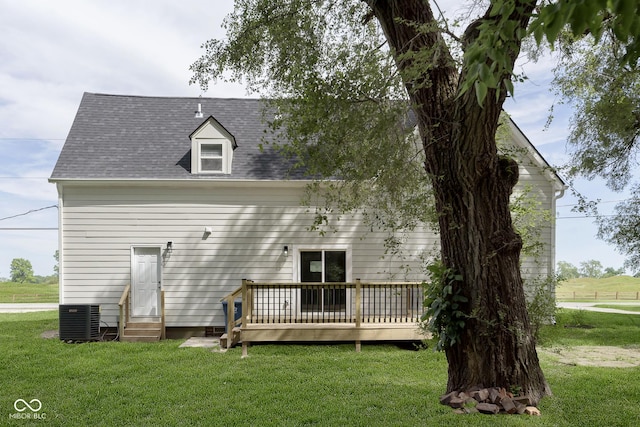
(79,322)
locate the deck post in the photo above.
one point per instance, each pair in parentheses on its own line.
(124,310)
(246,306)
(358,303)
(230,319)
(247,301)
(121,321)
(245,312)
(163,334)
(358,312)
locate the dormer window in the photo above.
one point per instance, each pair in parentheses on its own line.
(211,158)
(211,149)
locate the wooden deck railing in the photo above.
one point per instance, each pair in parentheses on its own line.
(355,311)
(357,302)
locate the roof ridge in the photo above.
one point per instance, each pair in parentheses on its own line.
(170,97)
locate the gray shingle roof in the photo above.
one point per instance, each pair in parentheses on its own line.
(137,137)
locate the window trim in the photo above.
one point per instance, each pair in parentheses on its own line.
(203,157)
(296,274)
(225,157)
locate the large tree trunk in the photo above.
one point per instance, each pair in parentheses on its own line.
(472,185)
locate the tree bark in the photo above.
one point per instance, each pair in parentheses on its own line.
(472,185)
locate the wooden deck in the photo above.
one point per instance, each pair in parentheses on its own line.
(314,312)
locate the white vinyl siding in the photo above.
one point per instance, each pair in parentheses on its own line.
(249,224)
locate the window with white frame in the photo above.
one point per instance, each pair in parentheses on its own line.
(211,158)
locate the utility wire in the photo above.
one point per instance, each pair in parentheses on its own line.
(588,216)
(600,202)
(31,139)
(29,212)
(27,228)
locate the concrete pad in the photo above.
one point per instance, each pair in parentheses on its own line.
(50,334)
(203,342)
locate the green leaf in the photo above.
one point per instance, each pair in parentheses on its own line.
(580,19)
(553,27)
(508,85)
(481,91)
(538,31)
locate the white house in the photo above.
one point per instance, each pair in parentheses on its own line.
(183,206)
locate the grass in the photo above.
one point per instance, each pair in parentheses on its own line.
(627,287)
(609,284)
(114,383)
(581,327)
(11,292)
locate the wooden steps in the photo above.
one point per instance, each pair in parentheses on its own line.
(142,332)
(235,338)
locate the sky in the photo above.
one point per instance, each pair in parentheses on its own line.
(51,52)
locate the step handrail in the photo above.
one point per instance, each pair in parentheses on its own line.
(231,320)
(163,332)
(123,305)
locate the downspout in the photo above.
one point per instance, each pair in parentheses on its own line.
(558,194)
(60,245)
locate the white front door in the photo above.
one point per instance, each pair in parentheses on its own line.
(145,282)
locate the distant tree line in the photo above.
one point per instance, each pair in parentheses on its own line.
(591,268)
(21,271)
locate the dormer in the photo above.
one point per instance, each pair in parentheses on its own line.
(211,148)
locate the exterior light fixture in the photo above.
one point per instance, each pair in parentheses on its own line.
(169,246)
(285,251)
(207,233)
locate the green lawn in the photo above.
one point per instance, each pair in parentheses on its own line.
(582,327)
(585,288)
(27,292)
(113,383)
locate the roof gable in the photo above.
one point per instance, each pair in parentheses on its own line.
(519,139)
(212,129)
